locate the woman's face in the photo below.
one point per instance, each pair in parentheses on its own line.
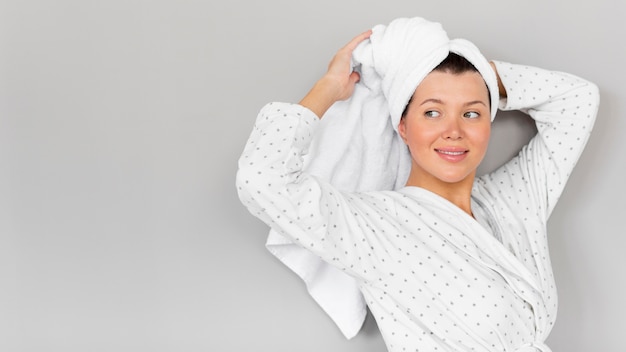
(446,128)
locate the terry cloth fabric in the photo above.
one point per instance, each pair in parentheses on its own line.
(357,147)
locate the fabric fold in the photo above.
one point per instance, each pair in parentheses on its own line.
(357,147)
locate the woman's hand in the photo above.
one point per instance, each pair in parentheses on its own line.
(338,82)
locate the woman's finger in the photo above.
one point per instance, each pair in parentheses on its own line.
(345,53)
(357,40)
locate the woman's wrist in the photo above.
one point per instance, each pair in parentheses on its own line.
(321,97)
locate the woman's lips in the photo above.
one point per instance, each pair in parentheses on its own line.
(452,154)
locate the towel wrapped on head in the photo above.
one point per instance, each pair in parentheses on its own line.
(357,147)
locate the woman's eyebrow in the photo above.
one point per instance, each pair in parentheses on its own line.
(475,102)
(432,100)
(439,101)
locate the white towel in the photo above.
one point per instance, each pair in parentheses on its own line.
(357,147)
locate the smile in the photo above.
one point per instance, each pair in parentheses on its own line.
(452,155)
(451,152)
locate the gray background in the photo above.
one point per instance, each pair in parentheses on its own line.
(120,126)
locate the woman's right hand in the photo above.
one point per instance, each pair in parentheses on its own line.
(338,82)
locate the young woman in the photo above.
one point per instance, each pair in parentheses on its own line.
(450,261)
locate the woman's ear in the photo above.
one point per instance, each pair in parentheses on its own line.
(402,129)
(402,124)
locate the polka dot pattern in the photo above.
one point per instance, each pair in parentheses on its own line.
(435,278)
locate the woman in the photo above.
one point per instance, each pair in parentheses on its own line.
(450,261)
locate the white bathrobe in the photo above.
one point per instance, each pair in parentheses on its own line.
(357,148)
(435,278)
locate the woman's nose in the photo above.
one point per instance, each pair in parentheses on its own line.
(452,129)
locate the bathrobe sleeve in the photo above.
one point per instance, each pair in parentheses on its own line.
(299,206)
(564,108)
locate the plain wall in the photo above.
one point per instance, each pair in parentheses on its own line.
(120,127)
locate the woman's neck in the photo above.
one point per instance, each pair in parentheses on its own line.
(459,193)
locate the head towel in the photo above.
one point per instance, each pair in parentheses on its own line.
(357,147)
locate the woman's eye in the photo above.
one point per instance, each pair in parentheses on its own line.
(431,113)
(471,114)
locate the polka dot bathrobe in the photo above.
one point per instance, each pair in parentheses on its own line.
(435,278)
